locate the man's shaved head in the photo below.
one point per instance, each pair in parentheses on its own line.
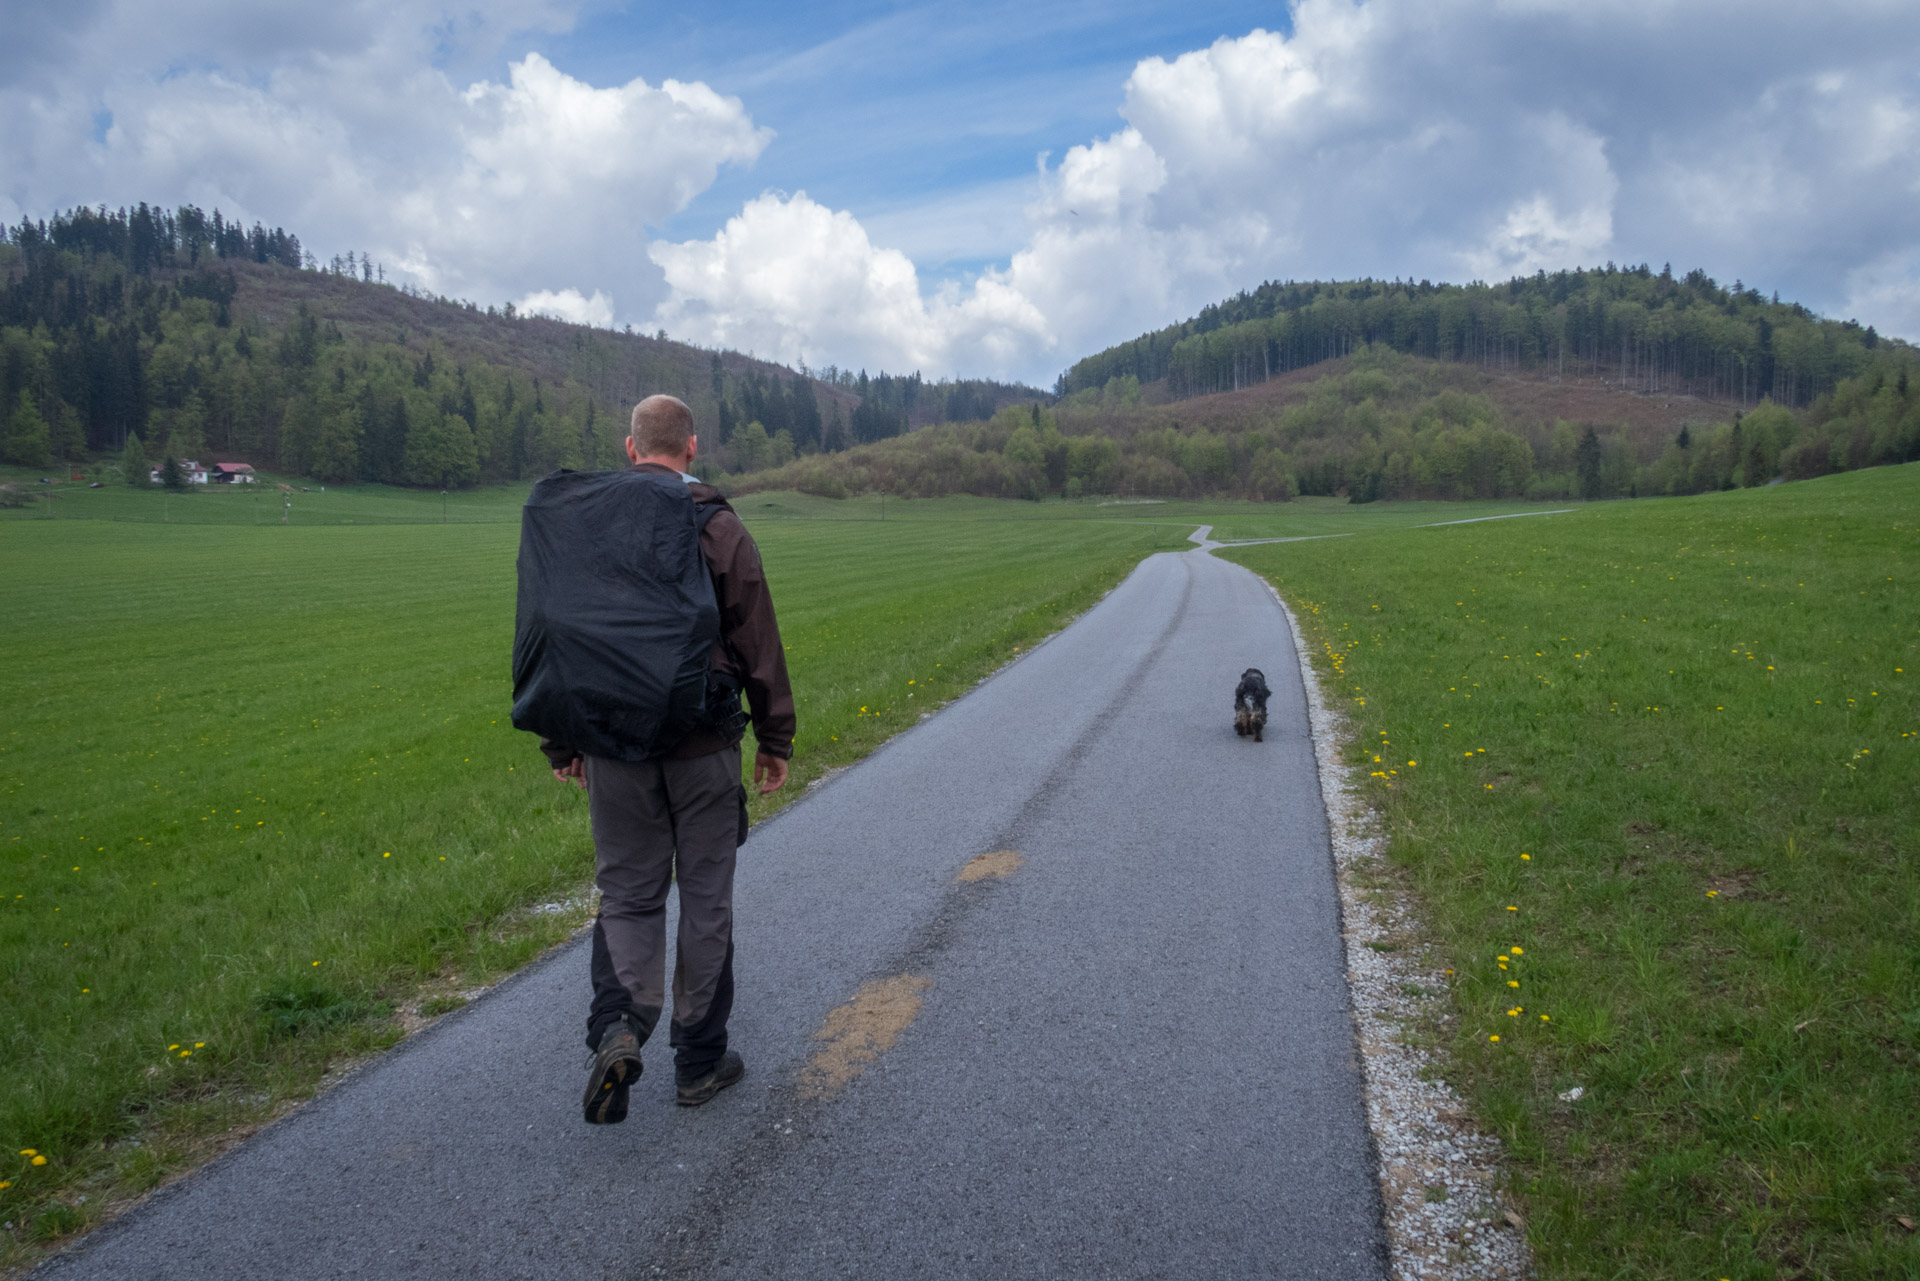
(661,425)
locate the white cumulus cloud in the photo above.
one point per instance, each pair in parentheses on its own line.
(569,305)
(538,185)
(790,279)
(1447,139)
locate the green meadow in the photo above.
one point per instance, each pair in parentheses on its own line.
(311,504)
(1654,768)
(261,807)
(261,811)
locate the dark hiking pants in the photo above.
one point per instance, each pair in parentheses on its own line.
(657,824)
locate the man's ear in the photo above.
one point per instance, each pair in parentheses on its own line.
(693,447)
(633,451)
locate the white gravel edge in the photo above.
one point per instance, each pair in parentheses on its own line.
(1425,1139)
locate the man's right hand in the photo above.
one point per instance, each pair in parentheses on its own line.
(770,772)
(575,772)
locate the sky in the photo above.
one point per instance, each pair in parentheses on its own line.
(990,189)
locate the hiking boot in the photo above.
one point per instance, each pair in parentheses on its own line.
(728,1070)
(615,1067)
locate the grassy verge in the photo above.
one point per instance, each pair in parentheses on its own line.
(1653,768)
(260,806)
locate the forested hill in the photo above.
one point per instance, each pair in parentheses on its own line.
(1378,424)
(1633,327)
(199,339)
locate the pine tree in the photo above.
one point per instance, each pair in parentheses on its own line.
(67,435)
(751,446)
(335,453)
(836,437)
(188,439)
(440,452)
(1586,464)
(25,441)
(133,462)
(170,474)
(807,427)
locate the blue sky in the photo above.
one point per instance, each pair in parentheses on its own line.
(918,118)
(992,189)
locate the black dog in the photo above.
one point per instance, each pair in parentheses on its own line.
(1250,704)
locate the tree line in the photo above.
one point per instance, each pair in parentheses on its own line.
(122,338)
(146,236)
(120,327)
(891,404)
(1382,426)
(765,420)
(1631,327)
(98,361)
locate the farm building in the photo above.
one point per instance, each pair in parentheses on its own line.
(231,474)
(191,472)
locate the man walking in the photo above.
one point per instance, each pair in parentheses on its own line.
(678,818)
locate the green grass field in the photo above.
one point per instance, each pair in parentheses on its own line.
(1663,822)
(235,749)
(259,795)
(263,504)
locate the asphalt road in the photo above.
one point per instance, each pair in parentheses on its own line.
(1132,1054)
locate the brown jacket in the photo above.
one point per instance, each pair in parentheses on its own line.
(749,650)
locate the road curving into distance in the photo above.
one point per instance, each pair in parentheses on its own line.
(1051,985)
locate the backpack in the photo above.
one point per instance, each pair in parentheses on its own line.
(616,620)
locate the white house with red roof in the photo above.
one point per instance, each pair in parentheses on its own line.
(191,472)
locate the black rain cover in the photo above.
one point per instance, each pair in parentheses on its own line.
(616,620)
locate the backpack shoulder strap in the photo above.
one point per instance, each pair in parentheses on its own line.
(702,513)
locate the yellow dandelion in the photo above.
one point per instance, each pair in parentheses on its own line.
(1512,908)
(1513,982)
(1517,952)
(1545,1019)
(1527,858)
(29,1152)
(39,1160)
(1713,893)
(1495,1037)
